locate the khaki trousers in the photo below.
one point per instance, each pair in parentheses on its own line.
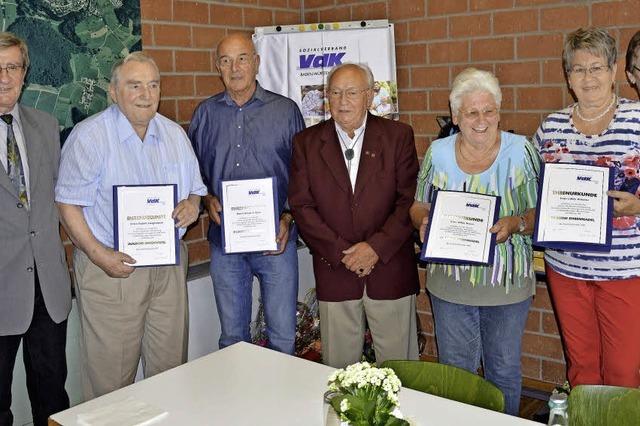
(122,320)
(392,324)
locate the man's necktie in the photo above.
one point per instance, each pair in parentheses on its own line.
(14,163)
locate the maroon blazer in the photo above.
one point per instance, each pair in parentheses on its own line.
(331,217)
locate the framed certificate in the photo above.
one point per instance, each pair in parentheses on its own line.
(458,230)
(142,224)
(574,211)
(249,219)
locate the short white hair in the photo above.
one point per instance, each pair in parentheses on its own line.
(473,80)
(138,56)
(363,68)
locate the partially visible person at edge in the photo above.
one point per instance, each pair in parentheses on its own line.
(480,311)
(35,291)
(126,313)
(596,295)
(632,57)
(246,132)
(353,178)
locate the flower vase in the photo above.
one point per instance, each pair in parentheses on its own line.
(328,413)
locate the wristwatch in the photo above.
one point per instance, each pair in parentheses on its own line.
(522,225)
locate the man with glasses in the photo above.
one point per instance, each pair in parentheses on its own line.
(35,291)
(353,179)
(126,313)
(633,61)
(245,132)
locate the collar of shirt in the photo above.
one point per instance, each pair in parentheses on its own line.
(15,112)
(356,145)
(258,96)
(356,133)
(126,131)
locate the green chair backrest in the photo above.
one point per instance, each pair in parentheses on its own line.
(604,405)
(448,382)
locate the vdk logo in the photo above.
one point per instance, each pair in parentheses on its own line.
(153,200)
(474,205)
(320,61)
(585,178)
(254,192)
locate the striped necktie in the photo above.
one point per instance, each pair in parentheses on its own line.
(14,163)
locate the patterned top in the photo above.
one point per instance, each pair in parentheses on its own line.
(618,147)
(513,176)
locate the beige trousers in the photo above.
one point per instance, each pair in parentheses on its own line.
(392,324)
(122,320)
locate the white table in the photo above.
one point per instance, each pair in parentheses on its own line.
(249,385)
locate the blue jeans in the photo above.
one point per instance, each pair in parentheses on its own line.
(465,334)
(232,276)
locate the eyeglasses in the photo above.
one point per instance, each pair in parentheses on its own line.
(474,114)
(242,60)
(594,70)
(12,70)
(139,87)
(351,93)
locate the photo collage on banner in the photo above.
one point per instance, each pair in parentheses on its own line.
(297,59)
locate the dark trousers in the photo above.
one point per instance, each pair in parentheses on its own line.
(43,348)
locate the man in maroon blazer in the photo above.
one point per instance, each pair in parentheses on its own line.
(353,179)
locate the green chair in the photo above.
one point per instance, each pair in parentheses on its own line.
(448,382)
(604,405)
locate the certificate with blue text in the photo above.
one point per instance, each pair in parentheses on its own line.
(574,210)
(249,220)
(458,230)
(142,224)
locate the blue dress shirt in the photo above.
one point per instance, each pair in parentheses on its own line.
(251,141)
(104,150)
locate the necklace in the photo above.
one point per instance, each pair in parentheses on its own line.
(599,116)
(489,152)
(348,151)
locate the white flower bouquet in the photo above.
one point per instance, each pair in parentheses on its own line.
(366,395)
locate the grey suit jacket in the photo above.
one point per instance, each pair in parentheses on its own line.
(30,238)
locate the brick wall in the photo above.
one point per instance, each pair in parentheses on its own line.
(519,40)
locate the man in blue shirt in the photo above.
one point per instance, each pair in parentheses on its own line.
(245,132)
(126,312)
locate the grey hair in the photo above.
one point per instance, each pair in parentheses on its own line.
(133,56)
(473,80)
(364,69)
(8,39)
(594,40)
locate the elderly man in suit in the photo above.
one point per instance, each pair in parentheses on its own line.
(35,292)
(352,182)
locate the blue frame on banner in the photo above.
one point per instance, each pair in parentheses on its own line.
(570,245)
(459,261)
(116,227)
(276,213)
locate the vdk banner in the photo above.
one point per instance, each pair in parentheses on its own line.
(295,61)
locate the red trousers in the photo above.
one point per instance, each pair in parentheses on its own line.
(600,326)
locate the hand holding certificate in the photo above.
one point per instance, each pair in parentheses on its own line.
(249,220)
(458,230)
(574,211)
(143,227)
